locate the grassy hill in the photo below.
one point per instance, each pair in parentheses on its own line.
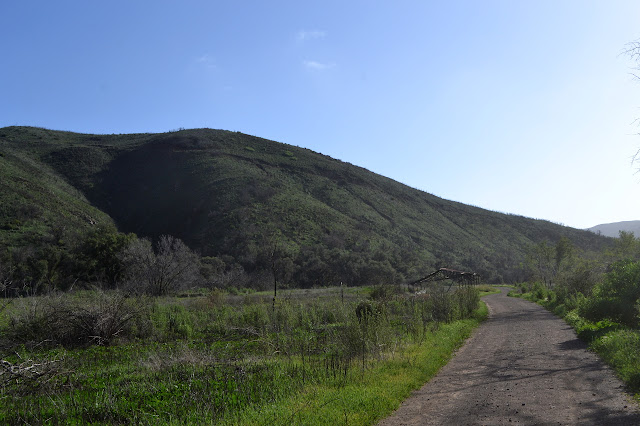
(234,196)
(613,229)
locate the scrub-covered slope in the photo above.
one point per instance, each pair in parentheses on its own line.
(237,197)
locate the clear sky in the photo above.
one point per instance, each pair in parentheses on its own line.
(517,106)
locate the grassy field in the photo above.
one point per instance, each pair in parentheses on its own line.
(328,357)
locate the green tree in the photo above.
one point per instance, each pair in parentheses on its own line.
(548,261)
(626,246)
(540,259)
(617,296)
(98,258)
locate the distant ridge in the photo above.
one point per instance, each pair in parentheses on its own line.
(613,229)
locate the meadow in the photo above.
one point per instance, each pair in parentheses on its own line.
(309,357)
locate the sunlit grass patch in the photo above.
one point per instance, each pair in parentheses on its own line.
(621,350)
(373,393)
(317,360)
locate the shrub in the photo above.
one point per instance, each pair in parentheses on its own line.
(442,306)
(539,292)
(467,299)
(621,349)
(593,331)
(217,297)
(384,292)
(615,298)
(90,318)
(579,279)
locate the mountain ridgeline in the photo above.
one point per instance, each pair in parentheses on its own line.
(613,229)
(239,199)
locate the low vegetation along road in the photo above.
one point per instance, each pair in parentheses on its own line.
(523,365)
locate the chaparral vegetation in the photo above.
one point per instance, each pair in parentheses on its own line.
(205,276)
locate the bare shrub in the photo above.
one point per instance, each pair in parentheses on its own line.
(94,318)
(171,267)
(109,316)
(29,376)
(234,277)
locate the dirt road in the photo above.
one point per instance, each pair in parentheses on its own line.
(523,365)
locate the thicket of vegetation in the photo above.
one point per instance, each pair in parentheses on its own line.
(247,206)
(110,357)
(599,297)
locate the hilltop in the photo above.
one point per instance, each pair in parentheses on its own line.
(237,198)
(613,229)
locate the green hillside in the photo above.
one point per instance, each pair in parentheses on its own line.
(235,196)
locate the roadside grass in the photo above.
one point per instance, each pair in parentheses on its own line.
(621,350)
(486,289)
(192,361)
(377,392)
(617,345)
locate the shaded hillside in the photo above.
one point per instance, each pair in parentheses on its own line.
(613,229)
(237,197)
(41,214)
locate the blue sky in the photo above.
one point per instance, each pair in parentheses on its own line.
(524,107)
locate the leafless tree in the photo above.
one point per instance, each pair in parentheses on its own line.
(170,267)
(632,50)
(276,256)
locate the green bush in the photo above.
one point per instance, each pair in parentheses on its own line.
(621,349)
(384,292)
(616,297)
(467,299)
(217,297)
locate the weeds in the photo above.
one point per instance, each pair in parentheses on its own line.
(200,359)
(75,321)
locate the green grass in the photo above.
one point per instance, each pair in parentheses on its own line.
(205,360)
(486,289)
(621,350)
(376,393)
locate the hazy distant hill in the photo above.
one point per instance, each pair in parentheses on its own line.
(230,195)
(613,229)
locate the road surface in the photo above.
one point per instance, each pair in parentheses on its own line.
(522,366)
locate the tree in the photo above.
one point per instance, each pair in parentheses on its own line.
(540,259)
(564,253)
(632,50)
(626,246)
(547,261)
(276,256)
(98,256)
(171,266)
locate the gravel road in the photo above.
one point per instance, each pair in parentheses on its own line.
(522,366)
